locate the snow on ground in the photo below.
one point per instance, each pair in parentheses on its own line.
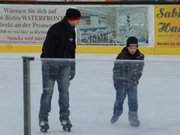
(92,97)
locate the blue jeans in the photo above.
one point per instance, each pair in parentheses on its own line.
(124,88)
(55,72)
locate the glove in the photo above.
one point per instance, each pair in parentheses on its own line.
(116,86)
(73,71)
(134,80)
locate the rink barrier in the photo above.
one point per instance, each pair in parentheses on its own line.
(89,49)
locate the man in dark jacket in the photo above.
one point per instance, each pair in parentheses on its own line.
(126,74)
(58,65)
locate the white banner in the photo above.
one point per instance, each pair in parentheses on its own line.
(100,25)
(27,24)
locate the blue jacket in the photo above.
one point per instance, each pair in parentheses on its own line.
(128,68)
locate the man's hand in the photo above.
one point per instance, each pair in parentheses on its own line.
(73,71)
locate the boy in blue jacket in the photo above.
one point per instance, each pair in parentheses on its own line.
(126,74)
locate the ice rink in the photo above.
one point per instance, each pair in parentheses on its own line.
(92,97)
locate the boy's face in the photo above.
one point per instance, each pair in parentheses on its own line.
(132,48)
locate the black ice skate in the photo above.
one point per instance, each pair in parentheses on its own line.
(44,126)
(66,124)
(133,119)
(114,119)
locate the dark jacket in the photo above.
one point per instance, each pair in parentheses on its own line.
(127,70)
(60,41)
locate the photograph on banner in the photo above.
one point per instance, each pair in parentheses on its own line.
(167,26)
(111,25)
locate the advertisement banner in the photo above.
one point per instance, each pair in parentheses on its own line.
(167,26)
(27,24)
(108,25)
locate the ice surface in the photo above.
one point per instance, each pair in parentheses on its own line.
(92,97)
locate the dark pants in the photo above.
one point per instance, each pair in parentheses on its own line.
(51,73)
(123,89)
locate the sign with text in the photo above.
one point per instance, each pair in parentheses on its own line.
(108,25)
(27,24)
(167,26)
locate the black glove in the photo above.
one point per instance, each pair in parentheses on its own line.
(135,80)
(116,86)
(73,71)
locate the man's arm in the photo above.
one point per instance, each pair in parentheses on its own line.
(73,70)
(49,45)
